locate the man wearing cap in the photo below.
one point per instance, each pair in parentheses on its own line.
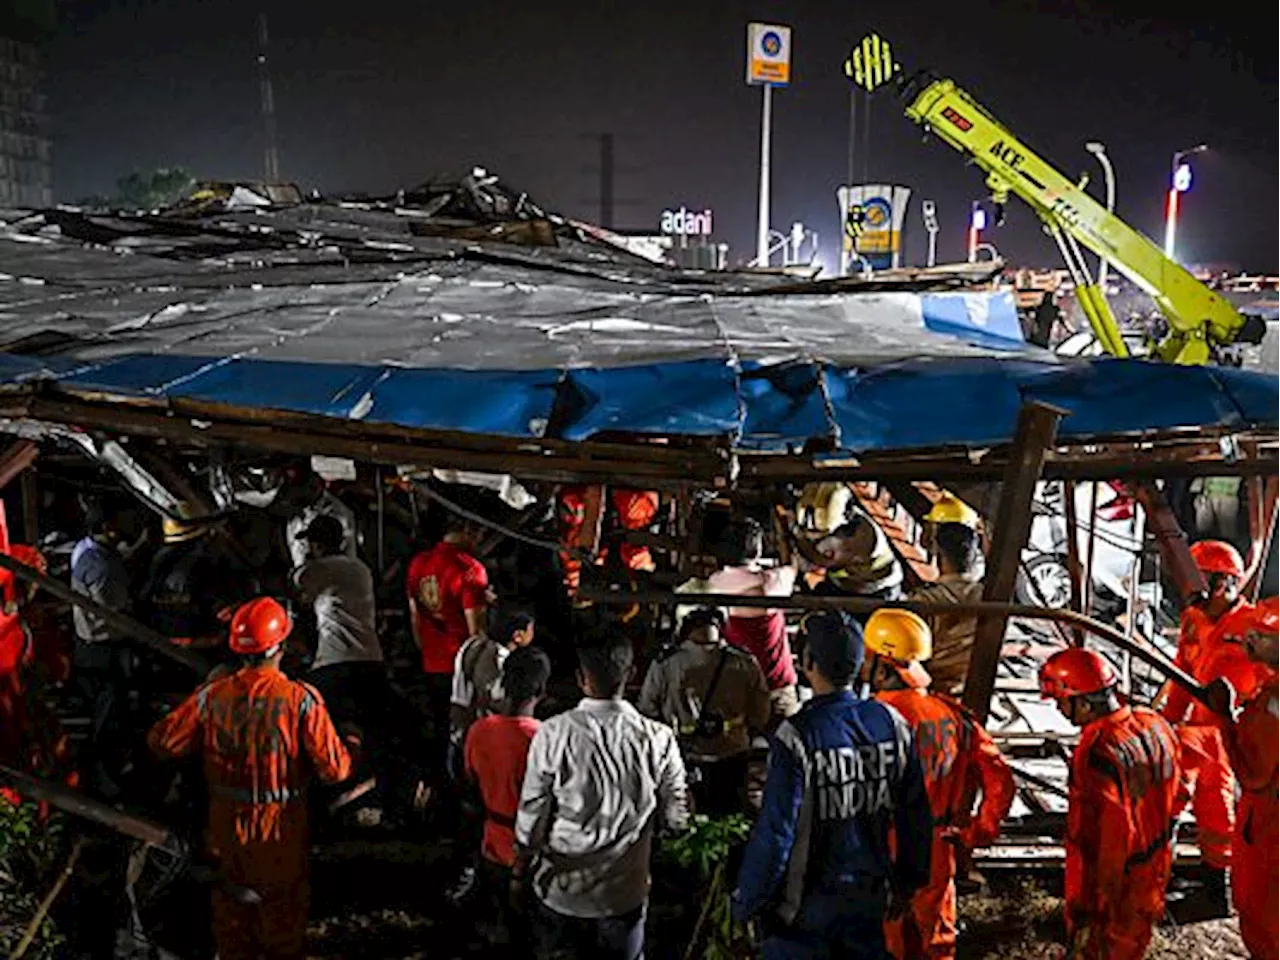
(958,553)
(1207,625)
(1125,774)
(715,698)
(957,756)
(843,774)
(261,736)
(306,494)
(1252,736)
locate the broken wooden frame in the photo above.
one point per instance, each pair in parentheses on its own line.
(678,465)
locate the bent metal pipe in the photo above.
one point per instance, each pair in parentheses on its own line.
(866,605)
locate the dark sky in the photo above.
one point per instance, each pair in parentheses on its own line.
(378,94)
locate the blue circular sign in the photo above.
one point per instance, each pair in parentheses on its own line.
(879,213)
(771,43)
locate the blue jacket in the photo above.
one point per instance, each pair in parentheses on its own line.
(843,772)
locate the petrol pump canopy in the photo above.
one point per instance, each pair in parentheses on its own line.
(381,314)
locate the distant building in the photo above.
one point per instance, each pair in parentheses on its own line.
(26,170)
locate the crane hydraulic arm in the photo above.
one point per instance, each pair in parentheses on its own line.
(1199,320)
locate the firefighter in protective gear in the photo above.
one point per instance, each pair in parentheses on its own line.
(260,735)
(1253,740)
(1124,783)
(959,759)
(1203,632)
(949,508)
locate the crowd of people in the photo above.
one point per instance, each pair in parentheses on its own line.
(880,784)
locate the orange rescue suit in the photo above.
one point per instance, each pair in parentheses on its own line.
(1253,742)
(959,759)
(261,735)
(1204,756)
(635,510)
(1124,786)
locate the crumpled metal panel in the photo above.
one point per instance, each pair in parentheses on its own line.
(342,312)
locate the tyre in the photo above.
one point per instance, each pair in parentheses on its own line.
(1048,572)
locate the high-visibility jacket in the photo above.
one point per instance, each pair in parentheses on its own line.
(1124,784)
(261,736)
(1253,742)
(1207,653)
(959,759)
(1200,638)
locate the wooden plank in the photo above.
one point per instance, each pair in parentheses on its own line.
(1034,435)
(15,459)
(1175,552)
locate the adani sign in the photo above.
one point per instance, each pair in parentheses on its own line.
(686,223)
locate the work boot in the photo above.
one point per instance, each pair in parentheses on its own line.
(1217,892)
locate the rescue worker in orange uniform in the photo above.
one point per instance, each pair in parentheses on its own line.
(1253,742)
(958,758)
(261,736)
(1204,756)
(634,509)
(1124,783)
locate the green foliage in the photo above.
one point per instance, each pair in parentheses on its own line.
(705,848)
(32,854)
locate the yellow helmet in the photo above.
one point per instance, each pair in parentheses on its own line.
(951,509)
(899,635)
(826,503)
(178,531)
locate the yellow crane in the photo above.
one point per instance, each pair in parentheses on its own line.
(1200,321)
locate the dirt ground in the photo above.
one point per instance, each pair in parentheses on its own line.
(394,909)
(1019,920)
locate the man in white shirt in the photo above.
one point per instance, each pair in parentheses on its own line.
(600,779)
(317,502)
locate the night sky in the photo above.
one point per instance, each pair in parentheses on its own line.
(375,95)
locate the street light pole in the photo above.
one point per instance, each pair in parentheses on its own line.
(1179,182)
(1109,174)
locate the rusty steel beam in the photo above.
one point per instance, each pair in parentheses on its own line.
(1073,552)
(16,459)
(1175,552)
(81,805)
(1035,433)
(1115,462)
(143,635)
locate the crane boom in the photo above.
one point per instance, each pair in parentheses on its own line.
(1199,320)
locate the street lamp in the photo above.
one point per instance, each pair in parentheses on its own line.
(977,223)
(1180,182)
(1109,173)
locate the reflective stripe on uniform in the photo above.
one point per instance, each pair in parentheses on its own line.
(248,796)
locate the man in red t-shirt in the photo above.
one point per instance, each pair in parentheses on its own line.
(495,754)
(448,596)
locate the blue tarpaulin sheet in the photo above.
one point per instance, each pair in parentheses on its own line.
(912,403)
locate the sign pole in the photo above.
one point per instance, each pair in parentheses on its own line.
(766,135)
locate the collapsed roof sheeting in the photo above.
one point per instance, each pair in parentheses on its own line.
(349,311)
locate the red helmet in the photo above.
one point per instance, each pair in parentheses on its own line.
(259,625)
(1214,556)
(1075,672)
